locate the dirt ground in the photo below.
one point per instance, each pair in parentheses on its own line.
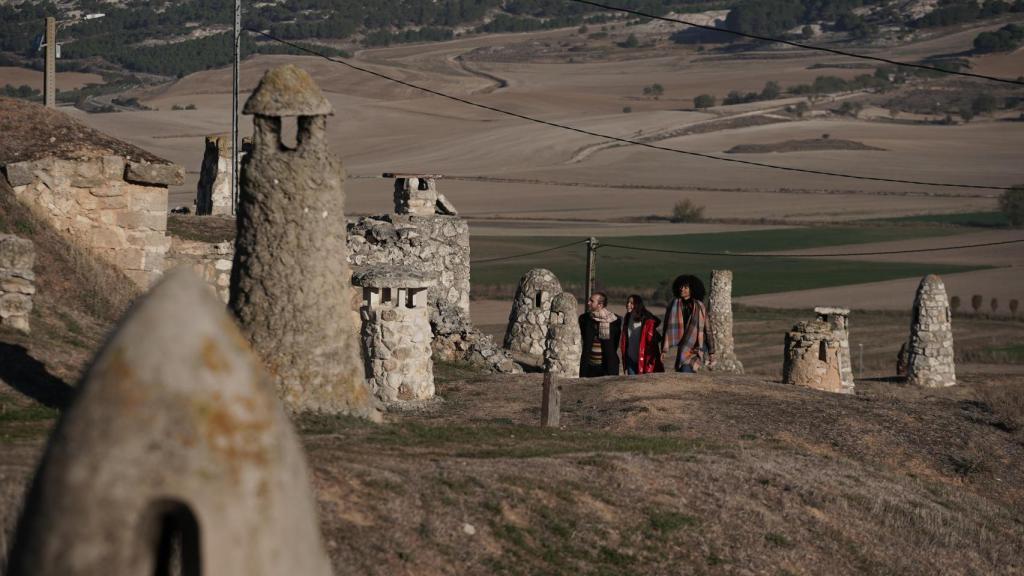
(34,78)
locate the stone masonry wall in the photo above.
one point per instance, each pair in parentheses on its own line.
(211,262)
(116,207)
(17,281)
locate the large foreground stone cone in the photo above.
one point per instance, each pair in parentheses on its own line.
(175,447)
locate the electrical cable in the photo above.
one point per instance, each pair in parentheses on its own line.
(616,138)
(513,257)
(822,255)
(800,45)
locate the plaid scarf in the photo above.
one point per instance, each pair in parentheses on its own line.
(604,317)
(689,337)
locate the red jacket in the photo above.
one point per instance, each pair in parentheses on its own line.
(650,345)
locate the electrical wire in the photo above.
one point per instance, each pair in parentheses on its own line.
(799,45)
(616,138)
(822,255)
(524,254)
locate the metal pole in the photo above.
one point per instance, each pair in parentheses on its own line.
(234,107)
(50,75)
(591,268)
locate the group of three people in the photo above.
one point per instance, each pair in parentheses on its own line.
(643,341)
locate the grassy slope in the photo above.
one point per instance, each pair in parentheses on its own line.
(618,268)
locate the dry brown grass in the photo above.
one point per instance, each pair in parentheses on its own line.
(1005,402)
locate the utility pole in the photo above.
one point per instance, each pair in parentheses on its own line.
(591,268)
(237,31)
(50,75)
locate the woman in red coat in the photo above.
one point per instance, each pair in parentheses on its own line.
(640,343)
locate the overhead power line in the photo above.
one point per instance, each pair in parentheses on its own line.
(822,255)
(524,254)
(799,45)
(616,138)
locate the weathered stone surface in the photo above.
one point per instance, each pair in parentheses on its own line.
(396,333)
(290,282)
(213,191)
(445,206)
(812,357)
(17,281)
(563,344)
(551,403)
(210,262)
(287,91)
(930,357)
(153,173)
(528,321)
(839,320)
(720,318)
(174,425)
(416,195)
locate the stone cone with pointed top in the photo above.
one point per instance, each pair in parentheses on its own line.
(930,357)
(175,431)
(291,287)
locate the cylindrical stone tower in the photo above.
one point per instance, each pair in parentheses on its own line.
(528,322)
(839,320)
(290,283)
(812,357)
(720,317)
(930,353)
(396,333)
(563,346)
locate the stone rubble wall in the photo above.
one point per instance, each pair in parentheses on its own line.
(812,358)
(17,281)
(211,262)
(528,321)
(720,318)
(397,344)
(113,206)
(930,356)
(564,344)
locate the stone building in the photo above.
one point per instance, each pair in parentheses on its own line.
(720,319)
(839,320)
(812,357)
(417,194)
(396,333)
(213,192)
(290,280)
(105,194)
(528,321)
(17,281)
(175,453)
(930,356)
(563,347)
(209,261)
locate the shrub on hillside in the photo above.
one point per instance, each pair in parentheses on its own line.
(687,210)
(654,90)
(704,101)
(1007,38)
(1012,205)
(976,301)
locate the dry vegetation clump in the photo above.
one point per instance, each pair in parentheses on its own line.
(1005,402)
(810,145)
(201,228)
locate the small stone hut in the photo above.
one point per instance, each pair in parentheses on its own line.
(106,194)
(812,357)
(839,320)
(563,346)
(396,333)
(930,356)
(528,321)
(174,453)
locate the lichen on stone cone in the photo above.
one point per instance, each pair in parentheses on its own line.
(290,282)
(930,355)
(175,420)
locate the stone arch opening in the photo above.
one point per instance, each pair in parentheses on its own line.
(539,299)
(176,549)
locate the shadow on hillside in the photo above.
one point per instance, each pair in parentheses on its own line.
(30,377)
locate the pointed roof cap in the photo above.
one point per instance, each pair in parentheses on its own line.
(288,91)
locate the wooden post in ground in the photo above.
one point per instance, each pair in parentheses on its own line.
(551,405)
(588,288)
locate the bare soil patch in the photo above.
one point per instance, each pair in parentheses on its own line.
(810,145)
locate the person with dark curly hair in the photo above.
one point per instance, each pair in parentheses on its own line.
(686,326)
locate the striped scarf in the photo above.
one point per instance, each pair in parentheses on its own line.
(689,337)
(604,317)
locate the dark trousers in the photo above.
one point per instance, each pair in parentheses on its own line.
(591,371)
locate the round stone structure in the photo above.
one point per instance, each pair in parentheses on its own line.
(812,357)
(563,346)
(528,322)
(396,333)
(930,360)
(720,318)
(839,320)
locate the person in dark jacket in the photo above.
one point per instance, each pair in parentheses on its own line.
(640,343)
(600,329)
